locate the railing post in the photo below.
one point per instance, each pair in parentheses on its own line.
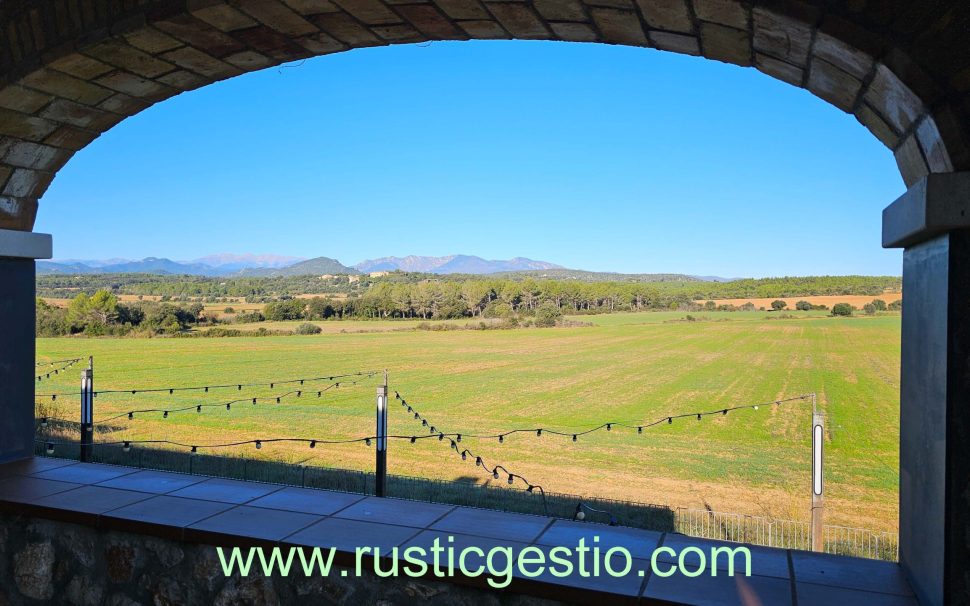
(380,479)
(818,499)
(87,411)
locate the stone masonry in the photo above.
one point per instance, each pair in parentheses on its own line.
(72,69)
(51,562)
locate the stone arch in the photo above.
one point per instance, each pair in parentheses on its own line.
(72,69)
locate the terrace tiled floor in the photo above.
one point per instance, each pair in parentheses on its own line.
(227,512)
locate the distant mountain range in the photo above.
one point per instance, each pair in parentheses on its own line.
(452,264)
(250,265)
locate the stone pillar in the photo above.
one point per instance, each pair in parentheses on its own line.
(18,250)
(932,223)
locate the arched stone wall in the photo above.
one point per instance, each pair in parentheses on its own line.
(72,69)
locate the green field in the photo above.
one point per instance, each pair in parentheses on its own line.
(632,368)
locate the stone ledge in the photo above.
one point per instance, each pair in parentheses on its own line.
(25,245)
(937,203)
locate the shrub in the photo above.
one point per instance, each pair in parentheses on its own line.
(803,306)
(841,309)
(778,304)
(869,309)
(547,315)
(896,305)
(878,305)
(229,310)
(308,329)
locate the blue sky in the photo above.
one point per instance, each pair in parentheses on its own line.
(590,156)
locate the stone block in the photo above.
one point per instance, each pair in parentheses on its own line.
(935,152)
(80,66)
(62,85)
(312,7)
(877,126)
(574,32)
(151,40)
(184,80)
(481,29)
(250,60)
(24,100)
(910,160)
(277,16)
(346,29)
(838,53)
(726,44)
(273,44)
(121,103)
(75,114)
(202,35)
(17,213)
(321,44)
(776,68)
(671,15)
(781,37)
(124,56)
(619,26)
(560,10)
(197,61)
(731,13)
(22,126)
(398,33)
(463,9)
(136,86)
(676,43)
(370,12)
(70,137)
(427,20)
(26,183)
(894,101)
(25,154)
(220,15)
(519,20)
(620,4)
(834,85)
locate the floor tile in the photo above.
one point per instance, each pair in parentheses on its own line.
(85,473)
(24,489)
(256,522)
(640,543)
(395,511)
(851,573)
(348,535)
(809,594)
(720,590)
(92,499)
(174,513)
(157,482)
(493,524)
(32,465)
(307,500)
(765,561)
(226,491)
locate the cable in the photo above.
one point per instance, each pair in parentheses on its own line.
(239,386)
(479,461)
(57,371)
(53,362)
(608,426)
(198,407)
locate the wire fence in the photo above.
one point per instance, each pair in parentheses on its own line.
(755,530)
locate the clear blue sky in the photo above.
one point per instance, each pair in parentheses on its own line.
(590,156)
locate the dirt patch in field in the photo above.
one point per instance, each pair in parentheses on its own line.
(827,300)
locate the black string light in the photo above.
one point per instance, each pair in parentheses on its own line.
(65,364)
(206,388)
(53,362)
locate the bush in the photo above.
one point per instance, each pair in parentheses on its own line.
(245,318)
(803,306)
(896,305)
(778,304)
(841,309)
(878,305)
(308,329)
(869,309)
(229,310)
(547,315)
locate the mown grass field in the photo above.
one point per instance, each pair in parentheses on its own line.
(633,368)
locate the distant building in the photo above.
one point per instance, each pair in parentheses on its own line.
(379,274)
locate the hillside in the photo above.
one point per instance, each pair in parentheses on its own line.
(318,266)
(453,264)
